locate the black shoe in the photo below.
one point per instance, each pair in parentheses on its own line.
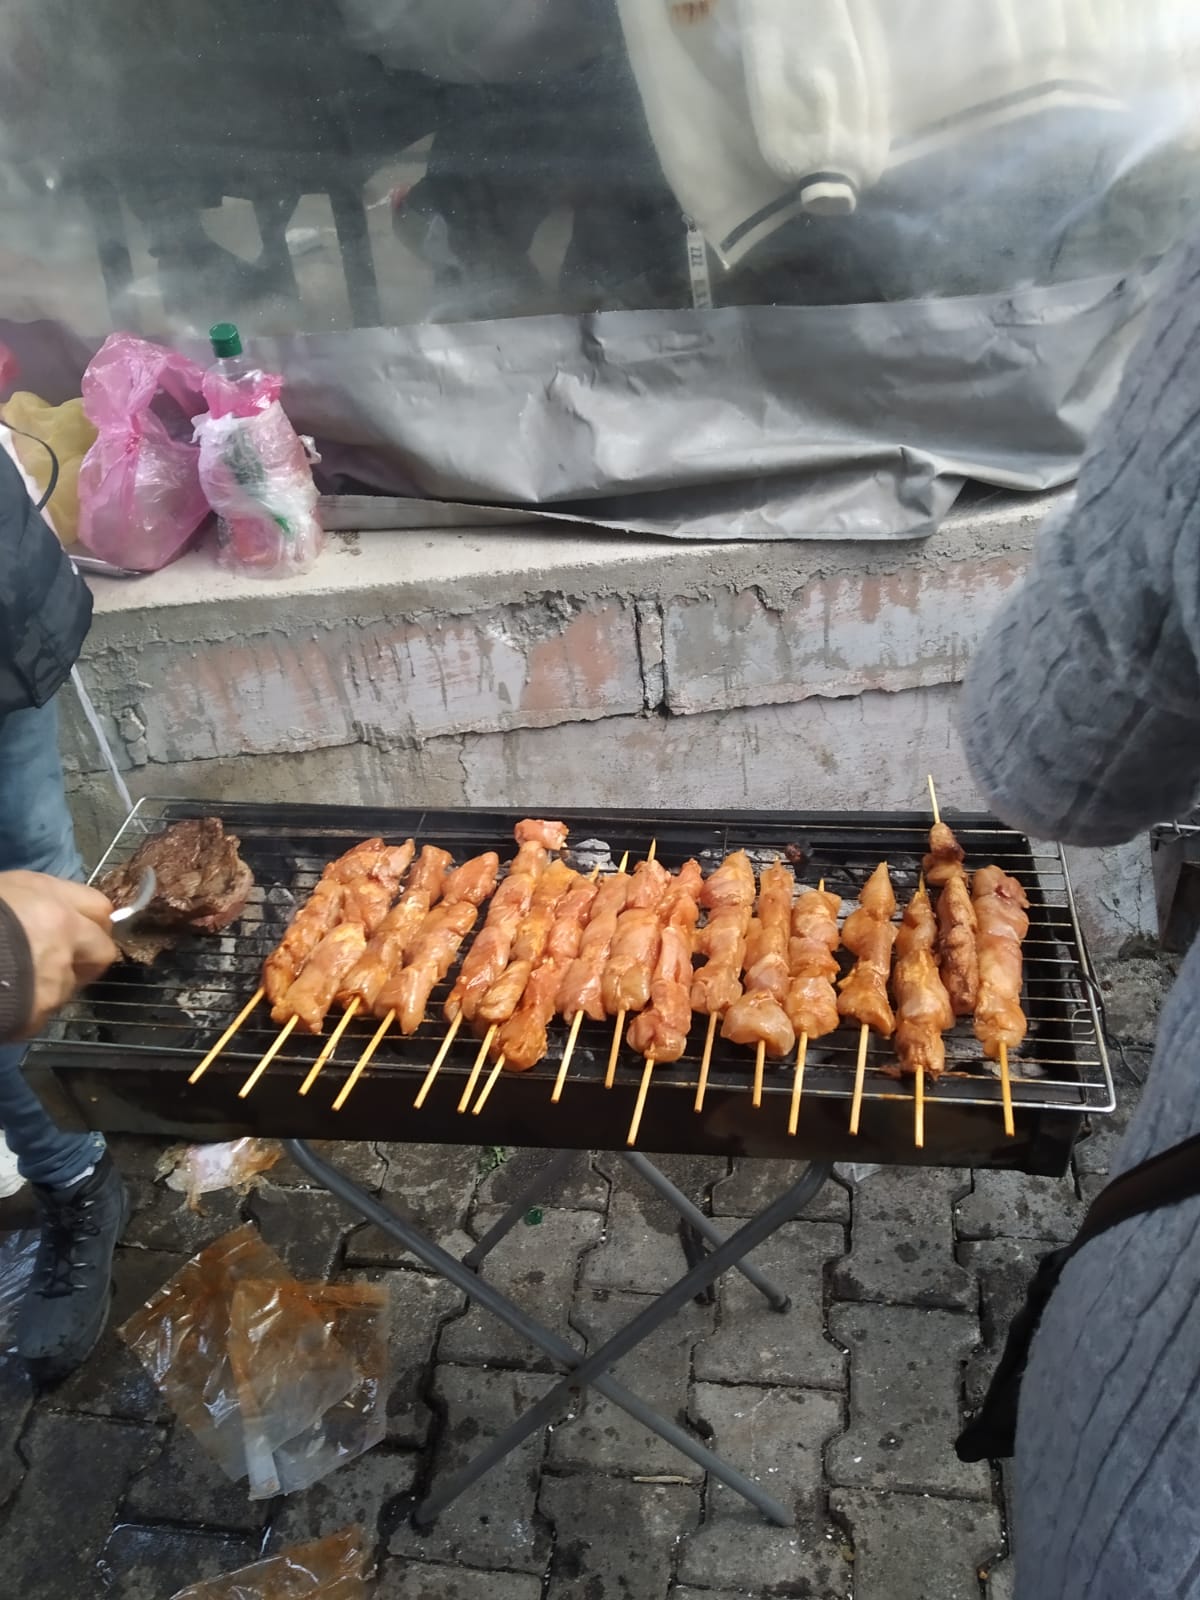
(67,1302)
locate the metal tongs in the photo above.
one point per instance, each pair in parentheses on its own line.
(139,902)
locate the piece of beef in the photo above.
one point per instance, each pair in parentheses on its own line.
(202,885)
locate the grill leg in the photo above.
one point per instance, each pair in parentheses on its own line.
(534,1190)
(593,1369)
(775,1298)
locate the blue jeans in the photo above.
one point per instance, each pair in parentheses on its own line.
(36,834)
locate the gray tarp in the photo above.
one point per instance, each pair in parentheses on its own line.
(760,422)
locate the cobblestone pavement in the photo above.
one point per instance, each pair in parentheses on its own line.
(846,1407)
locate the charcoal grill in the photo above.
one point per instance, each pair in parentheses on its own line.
(122,1054)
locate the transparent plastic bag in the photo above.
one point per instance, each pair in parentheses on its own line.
(17,1254)
(140,500)
(256,472)
(358,1313)
(333,1568)
(197,1169)
(242,1353)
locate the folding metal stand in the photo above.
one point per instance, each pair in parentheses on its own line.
(593,1370)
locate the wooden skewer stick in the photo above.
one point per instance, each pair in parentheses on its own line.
(443,1052)
(360,1066)
(801,1057)
(919,1114)
(641,1101)
(1006,1091)
(331,1044)
(473,1079)
(652,849)
(233,1027)
(497,1069)
(280,1040)
(611,1072)
(705,1061)
(565,1063)
(760,1056)
(860,1073)
(798,1084)
(937,816)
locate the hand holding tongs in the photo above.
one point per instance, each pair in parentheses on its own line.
(141,900)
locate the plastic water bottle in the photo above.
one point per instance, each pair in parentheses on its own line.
(255,469)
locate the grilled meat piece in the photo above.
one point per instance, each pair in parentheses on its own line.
(202,885)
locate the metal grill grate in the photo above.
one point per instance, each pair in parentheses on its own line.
(171,1013)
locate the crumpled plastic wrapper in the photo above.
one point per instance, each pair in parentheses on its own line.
(280,1382)
(196,1169)
(18,1252)
(334,1568)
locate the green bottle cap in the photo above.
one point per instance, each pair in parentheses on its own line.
(225,339)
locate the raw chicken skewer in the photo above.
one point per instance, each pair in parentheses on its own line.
(625,982)
(757,1017)
(811,999)
(579,991)
(728,896)
(869,935)
(1001,906)
(521,1040)
(923,1009)
(660,1032)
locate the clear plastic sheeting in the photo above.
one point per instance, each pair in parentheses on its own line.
(280,1382)
(333,1568)
(629,209)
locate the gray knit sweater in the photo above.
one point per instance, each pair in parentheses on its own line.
(1081,717)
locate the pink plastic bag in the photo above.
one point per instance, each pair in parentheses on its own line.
(140,500)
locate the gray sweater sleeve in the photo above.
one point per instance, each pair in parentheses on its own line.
(1081,710)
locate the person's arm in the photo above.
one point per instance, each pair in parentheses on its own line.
(1081,709)
(55,937)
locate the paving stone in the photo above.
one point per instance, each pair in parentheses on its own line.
(79,1468)
(151,1563)
(365,1490)
(614,1538)
(1004,1268)
(776,1436)
(182,1485)
(360,1160)
(1090,1185)
(696,1176)
(369,1246)
(306,1226)
(418,1307)
(112,1382)
(752,1343)
(602,1436)
(580,1188)
(677,1593)
(904,1367)
(163,1220)
(1095,1152)
(432,1184)
(16,1397)
(902,1249)
(137,1154)
(536,1266)
(419,1580)
(1001,1581)
(917,1547)
(1011,1205)
(754,1184)
(495,1524)
(641,1252)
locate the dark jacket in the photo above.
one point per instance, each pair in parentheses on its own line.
(45,607)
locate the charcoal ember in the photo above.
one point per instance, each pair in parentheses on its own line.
(202,885)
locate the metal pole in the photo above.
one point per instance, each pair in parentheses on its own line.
(776,1299)
(533,1190)
(592,1369)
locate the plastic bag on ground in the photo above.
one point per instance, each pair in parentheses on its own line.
(17,1253)
(333,1568)
(359,1315)
(234,1328)
(140,500)
(198,1169)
